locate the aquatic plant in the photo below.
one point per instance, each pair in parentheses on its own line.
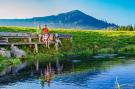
(117,85)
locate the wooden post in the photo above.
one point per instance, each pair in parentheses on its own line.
(12,45)
(29,39)
(7,39)
(39,38)
(71,39)
(36,48)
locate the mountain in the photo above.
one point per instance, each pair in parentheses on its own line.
(72,19)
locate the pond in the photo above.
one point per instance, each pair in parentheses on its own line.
(80,74)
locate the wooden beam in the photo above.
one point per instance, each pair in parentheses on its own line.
(16,37)
(20,43)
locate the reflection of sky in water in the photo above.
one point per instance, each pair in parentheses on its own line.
(100,79)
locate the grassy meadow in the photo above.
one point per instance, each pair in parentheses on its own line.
(86,43)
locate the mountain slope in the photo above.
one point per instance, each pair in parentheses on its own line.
(72,19)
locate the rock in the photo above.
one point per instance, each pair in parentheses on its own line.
(5,53)
(19,67)
(16,52)
(6,71)
(11,69)
(8,54)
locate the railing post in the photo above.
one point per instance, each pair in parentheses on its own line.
(12,45)
(71,39)
(39,38)
(29,39)
(36,48)
(6,39)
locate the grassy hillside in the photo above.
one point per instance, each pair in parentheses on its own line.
(85,43)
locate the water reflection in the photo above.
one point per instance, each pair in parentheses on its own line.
(80,71)
(48,74)
(76,74)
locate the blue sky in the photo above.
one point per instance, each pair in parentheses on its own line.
(121,12)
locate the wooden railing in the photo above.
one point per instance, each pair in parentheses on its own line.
(6,36)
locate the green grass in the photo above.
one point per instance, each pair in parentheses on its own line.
(85,43)
(15,29)
(6,62)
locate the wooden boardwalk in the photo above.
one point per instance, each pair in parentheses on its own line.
(6,36)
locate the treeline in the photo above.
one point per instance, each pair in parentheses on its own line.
(125,28)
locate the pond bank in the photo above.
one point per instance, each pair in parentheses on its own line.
(85,43)
(16,65)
